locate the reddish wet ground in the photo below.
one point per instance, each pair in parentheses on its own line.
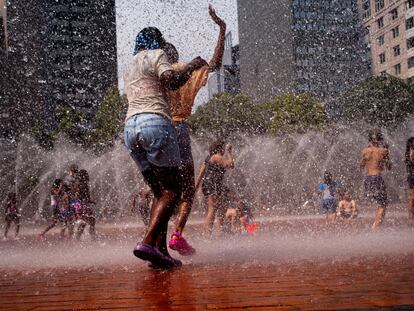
(235,281)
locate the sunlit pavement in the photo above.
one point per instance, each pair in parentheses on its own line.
(291,263)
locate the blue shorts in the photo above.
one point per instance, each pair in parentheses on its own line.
(328,206)
(151,140)
(376,190)
(184,143)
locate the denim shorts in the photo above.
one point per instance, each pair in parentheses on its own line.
(328,206)
(151,140)
(184,143)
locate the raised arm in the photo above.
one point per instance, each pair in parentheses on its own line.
(173,80)
(216,61)
(200,176)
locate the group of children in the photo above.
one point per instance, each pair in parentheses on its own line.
(70,204)
(374,160)
(345,210)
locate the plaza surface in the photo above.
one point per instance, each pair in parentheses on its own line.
(297,263)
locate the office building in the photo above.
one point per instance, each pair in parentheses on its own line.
(313,46)
(390,32)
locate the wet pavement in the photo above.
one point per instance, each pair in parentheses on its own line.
(315,270)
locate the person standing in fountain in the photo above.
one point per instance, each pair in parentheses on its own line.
(409,161)
(151,139)
(55,204)
(327,190)
(85,212)
(212,174)
(181,104)
(375,158)
(12,214)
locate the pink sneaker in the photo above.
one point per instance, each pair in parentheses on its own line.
(179,244)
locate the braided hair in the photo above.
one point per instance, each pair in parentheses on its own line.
(149,38)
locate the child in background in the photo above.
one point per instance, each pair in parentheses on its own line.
(12,214)
(327,190)
(347,209)
(211,176)
(55,198)
(84,212)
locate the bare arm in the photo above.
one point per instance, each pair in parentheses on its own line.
(363,160)
(216,61)
(200,176)
(173,80)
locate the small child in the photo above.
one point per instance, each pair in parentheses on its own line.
(327,190)
(12,214)
(347,208)
(84,211)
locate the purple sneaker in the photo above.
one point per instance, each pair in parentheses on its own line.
(154,255)
(179,244)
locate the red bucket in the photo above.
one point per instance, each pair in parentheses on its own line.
(252,228)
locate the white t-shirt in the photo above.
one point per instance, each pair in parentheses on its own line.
(142,84)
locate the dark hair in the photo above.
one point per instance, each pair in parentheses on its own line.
(216,147)
(84,176)
(57,183)
(375,137)
(149,38)
(410,146)
(74,168)
(11,196)
(327,178)
(171,52)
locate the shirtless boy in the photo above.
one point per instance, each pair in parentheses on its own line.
(375,158)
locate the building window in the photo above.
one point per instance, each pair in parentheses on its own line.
(380,22)
(379,5)
(397,50)
(410,4)
(366,8)
(394,14)
(397,69)
(382,58)
(383,73)
(410,43)
(381,40)
(395,32)
(411,62)
(409,23)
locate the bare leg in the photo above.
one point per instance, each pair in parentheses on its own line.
(160,213)
(52,225)
(211,213)
(17,224)
(80,230)
(187,175)
(411,206)
(379,217)
(6,230)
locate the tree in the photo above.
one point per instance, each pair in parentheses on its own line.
(101,131)
(109,119)
(226,114)
(380,101)
(295,113)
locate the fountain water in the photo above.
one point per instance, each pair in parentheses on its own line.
(275,174)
